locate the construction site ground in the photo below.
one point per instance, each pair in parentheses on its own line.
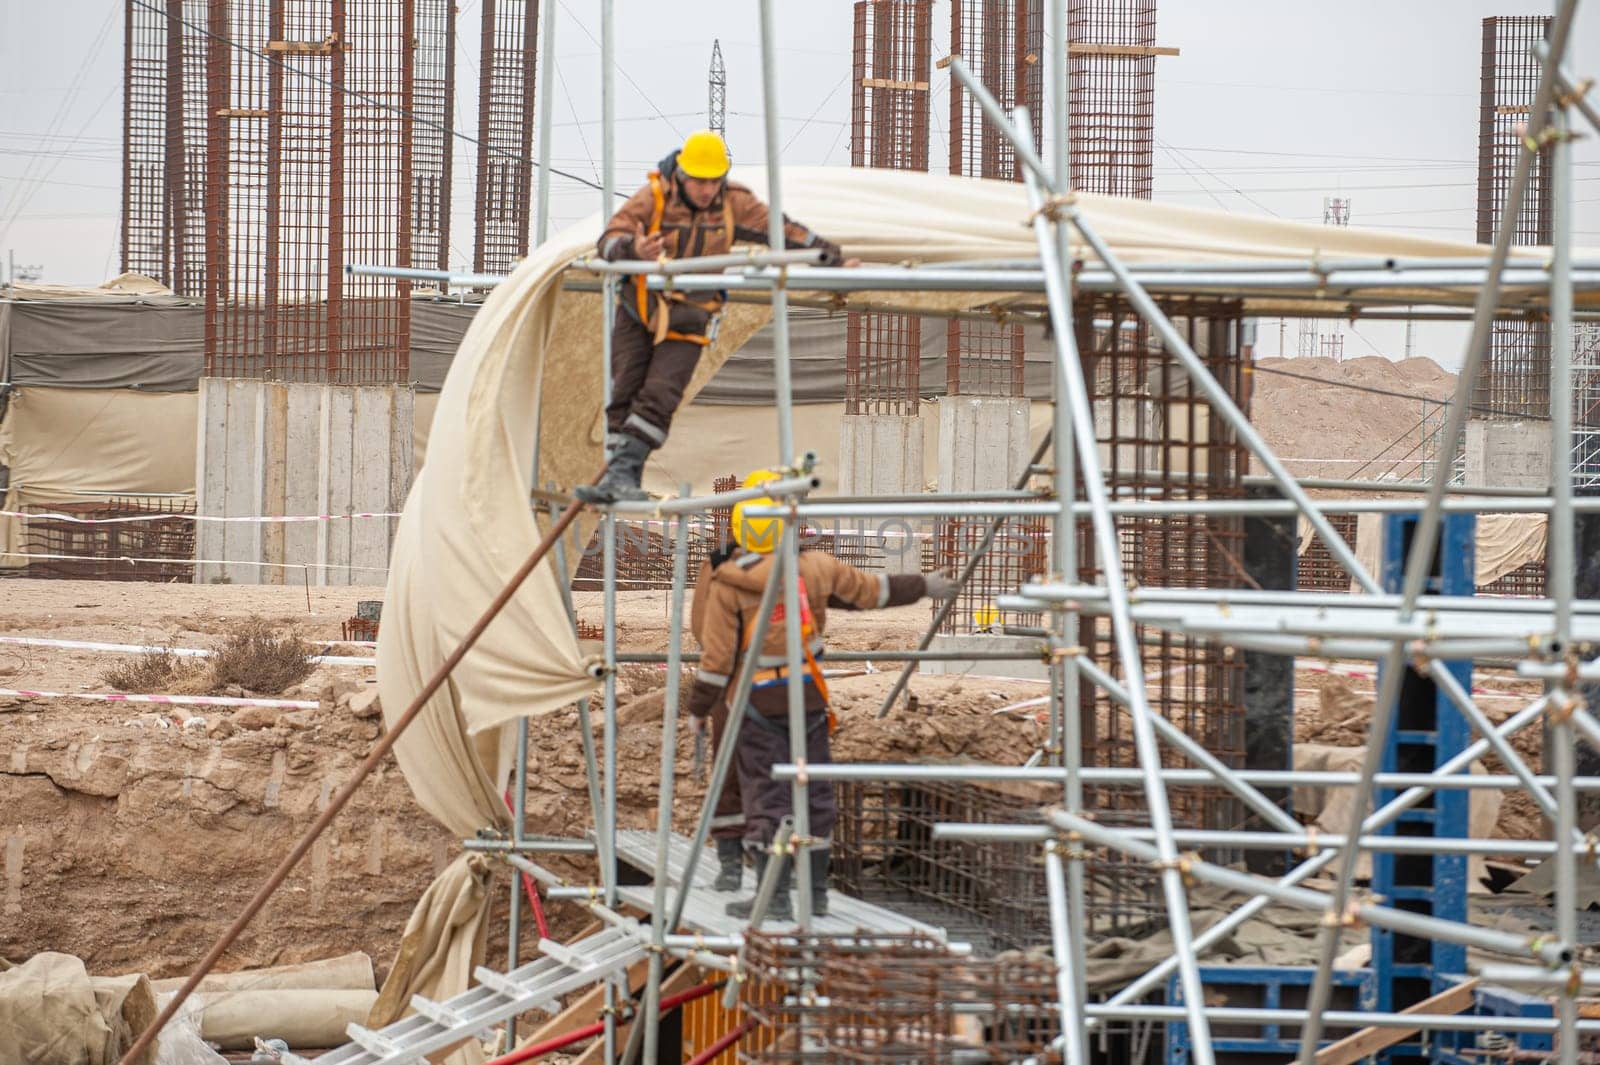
(132,834)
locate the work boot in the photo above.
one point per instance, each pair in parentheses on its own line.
(625,458)
(820,868)
(730,860)
(780,908)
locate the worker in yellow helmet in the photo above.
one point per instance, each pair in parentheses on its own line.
(687,208)
(723,618)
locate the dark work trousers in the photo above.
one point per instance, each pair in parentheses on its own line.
(764,743)
(728,820)
(648,379)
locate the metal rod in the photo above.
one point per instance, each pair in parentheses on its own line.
(1109,548)
(782,849)
(530,845)
(1244,1015)
(1033,655)
(547,100)
(779,489)
(1266,841)
(693,264)
(1425,537)
(962,580)
(664,801)
(519,806)
(1516,504)
(608,181)
(730,739)
(1062,932)
(1413,924)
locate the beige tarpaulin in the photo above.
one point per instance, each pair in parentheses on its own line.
(443,942)
(1507,542)
(52,1010)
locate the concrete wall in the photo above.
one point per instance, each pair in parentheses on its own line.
(1508,454)
(266,449)
(983,442)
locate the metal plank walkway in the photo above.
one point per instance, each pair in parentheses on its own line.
(703,912)
(537,985)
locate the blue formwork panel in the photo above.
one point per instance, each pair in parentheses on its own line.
(1476,1048)
(1263,987)
(1427,732)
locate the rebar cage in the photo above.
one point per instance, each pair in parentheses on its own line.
(1160,440)
(892,998)
(505,134)
(156,550)
(1112,95)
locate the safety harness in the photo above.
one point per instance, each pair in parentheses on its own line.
(658,198)
(766,678)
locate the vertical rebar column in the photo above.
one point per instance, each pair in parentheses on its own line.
(505,133)
(1110,53)
(1515,382)
(433,102)
(151,82)
(889,110)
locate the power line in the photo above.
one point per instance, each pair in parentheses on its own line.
(1258,368)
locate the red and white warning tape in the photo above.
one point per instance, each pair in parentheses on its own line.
(178,652)
(193,700)
(271,519)
(193,561)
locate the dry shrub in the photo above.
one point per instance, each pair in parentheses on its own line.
(259,658)
(158,672)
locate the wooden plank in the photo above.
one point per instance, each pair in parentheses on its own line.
(1139,50)
(892,83)
(1363,1044)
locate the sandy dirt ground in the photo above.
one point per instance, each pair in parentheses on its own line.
(132,834)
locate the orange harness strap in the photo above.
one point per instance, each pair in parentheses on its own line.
(658,208)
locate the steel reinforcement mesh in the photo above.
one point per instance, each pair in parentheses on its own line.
(1515,381)
(891,998)
(1160,439)
(1316,569)
(164,143)
(1111,95)
(1001,42)
(505,134)
(1018,554)
(308,167)
(433,100)
(889,109)
(990,894)
(156,550)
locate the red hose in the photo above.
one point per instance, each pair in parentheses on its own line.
(722,1044)
(577,1035)
(528,886)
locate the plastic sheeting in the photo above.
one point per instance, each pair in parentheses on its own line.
(52,1010)
(1503,543)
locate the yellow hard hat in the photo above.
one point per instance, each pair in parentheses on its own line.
(704,155)
(760,535)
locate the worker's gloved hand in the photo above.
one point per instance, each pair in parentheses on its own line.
(700,724)
(939,586)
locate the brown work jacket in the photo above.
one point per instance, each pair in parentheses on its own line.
(723,610)
(734,216)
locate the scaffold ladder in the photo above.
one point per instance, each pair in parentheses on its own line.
(538,985)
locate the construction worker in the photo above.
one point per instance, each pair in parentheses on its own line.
(727,821)
(726,605)
(688,208)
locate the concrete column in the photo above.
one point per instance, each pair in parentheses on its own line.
(269,449)
(881,455)
(1271,558)
(983,442)
(1507,454)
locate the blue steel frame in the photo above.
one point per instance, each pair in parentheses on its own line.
(1428,731)
(1454,1048)
(1263,987)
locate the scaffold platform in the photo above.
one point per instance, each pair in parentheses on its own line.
(703,912)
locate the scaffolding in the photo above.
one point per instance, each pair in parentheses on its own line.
(907,992)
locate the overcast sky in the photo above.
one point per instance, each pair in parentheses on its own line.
(1270,107)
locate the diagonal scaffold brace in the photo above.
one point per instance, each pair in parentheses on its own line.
(344,794)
